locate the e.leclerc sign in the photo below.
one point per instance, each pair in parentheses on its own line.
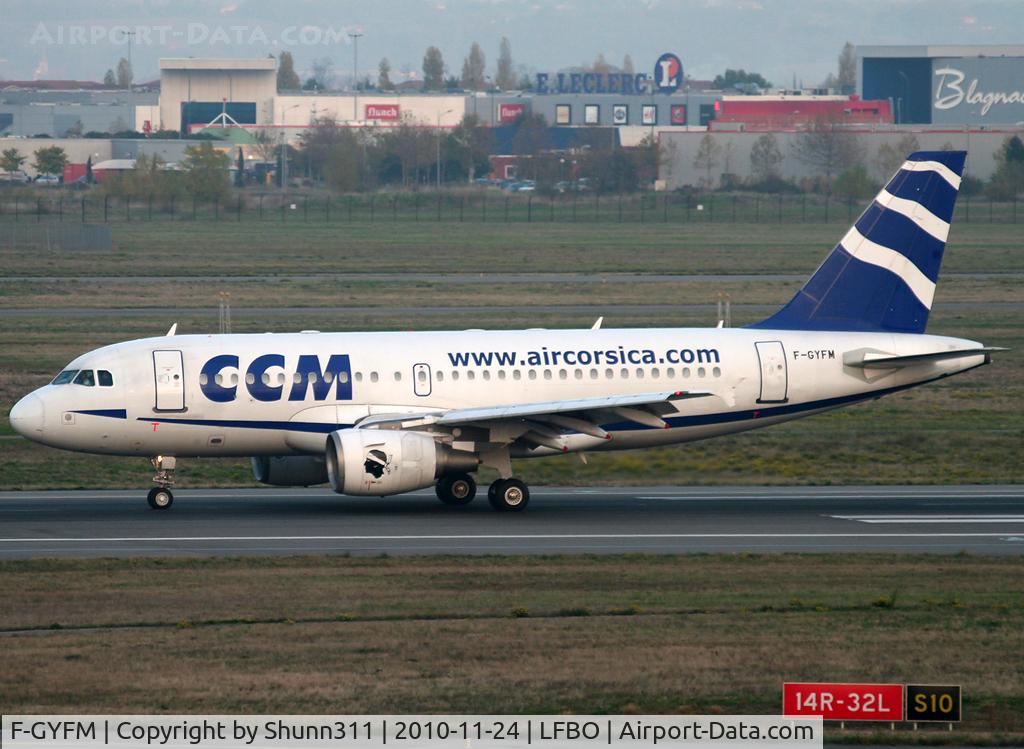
(667,77)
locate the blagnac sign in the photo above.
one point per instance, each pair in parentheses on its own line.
(666,79)
(950,92)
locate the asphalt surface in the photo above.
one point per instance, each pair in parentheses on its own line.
(939,519)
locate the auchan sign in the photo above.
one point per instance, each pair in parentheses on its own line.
(383,112)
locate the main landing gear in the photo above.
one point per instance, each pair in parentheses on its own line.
(160,496)
(508,495)
(505,495)
(456,490)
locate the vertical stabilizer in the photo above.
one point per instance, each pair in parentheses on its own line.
(882,274)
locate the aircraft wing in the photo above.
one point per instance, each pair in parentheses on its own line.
(542,422)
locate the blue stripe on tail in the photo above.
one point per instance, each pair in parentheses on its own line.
(882,274)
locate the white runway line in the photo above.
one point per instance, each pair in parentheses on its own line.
(930,519)
(494,537)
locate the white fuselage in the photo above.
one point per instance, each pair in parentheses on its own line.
(166,403)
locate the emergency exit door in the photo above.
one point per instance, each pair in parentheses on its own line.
(169,375)
(774,375)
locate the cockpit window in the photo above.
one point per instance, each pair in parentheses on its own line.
(106,379)
(85,377)
(64,377)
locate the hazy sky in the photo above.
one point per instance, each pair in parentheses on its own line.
(778,38)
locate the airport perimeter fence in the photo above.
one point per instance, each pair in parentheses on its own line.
(669,208)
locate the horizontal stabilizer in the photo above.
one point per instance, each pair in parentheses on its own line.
(881,361)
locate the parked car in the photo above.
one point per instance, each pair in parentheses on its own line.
(47,179)
(16,177)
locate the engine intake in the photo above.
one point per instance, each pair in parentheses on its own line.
(371,462)
(290,470)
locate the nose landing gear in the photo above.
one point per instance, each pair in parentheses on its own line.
(160,496)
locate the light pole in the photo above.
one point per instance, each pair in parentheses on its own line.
(355,73)
(439,115)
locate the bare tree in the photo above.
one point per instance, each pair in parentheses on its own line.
(627,65)
(891,156)
(267,143)
(506,77)
(323,73)
(124,73)
(825,146)
(384,75)
(473,68)
(847,77)
(707,156)
(765,158)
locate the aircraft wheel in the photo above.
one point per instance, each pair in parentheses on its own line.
(160,498)
(508,495)
(456,490)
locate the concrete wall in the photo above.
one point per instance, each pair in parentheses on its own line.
(77,149)
(681,149)
(231,80)
(54,117)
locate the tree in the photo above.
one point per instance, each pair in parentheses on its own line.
(707,157)
(75,131)
(207,171)
(739,79)
(109,79)
(343,164)
(601,66)
(891,156)
(469,145)
(240,169)
(267,143)
(124,73)
(1008,181)
(50,160)
(11,161)
(473,67)
(765,158)
(89,179)
(854,183)
(287,78)
(315,143)
(433,70)
(627,65)
(384,75)
(506,77)
(323,73)
(824,145)
(847,78)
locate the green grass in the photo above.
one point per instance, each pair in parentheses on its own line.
(577,634)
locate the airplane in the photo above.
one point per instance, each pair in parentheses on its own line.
(378,414)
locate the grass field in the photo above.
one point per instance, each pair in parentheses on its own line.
(700,633)
(916,437)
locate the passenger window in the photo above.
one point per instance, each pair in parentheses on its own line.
(440,376)
(455,375)
(471,375)
(85,377)
(670,373)
(533,374)
(624,373)
(487,374)
(374,377)
(64,377)
(655,373)
(106,379)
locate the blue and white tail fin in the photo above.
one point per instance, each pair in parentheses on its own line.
(882,274)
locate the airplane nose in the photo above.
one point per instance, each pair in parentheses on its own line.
(27,416)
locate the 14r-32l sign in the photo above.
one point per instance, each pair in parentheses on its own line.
(844,701)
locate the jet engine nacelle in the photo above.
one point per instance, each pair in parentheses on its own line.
(290,470)
(375,462)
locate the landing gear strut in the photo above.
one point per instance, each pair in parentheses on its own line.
(160,496)
(457,490)
(508,495)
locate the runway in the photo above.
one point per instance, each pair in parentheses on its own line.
(936,519)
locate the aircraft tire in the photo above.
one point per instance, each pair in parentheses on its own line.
(456,490)
(508,495)
(160,498)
